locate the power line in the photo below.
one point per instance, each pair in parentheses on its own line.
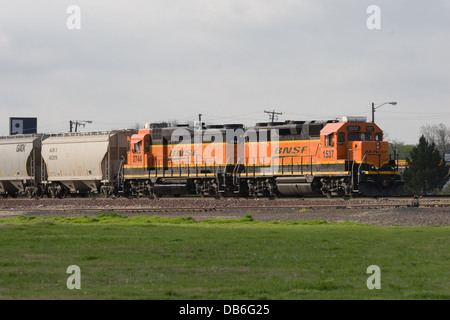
(273,115)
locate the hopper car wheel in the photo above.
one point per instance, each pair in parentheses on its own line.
(108,192)
(39,193)
(34,192)
(30,193)
(51,193)
(62,193)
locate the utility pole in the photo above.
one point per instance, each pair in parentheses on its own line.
(78,123)
(198,125)
(273,115)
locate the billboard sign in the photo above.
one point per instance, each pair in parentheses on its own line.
(22,125)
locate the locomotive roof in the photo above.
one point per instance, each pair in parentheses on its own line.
(333,127)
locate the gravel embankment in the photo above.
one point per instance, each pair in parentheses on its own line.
(354,210)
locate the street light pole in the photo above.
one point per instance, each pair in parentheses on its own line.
(373,112)
(373,108)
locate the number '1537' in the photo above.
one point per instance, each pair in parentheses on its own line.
(328,153)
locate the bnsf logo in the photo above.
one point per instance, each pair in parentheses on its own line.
(291,150)
(181,153)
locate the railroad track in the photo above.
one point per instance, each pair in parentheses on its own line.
(228,208)
(194,204)
(307,207)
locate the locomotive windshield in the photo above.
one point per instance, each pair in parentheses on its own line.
(360,133)
(363,136)
(353,136)
(366,136)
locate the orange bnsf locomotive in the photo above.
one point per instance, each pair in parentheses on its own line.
(342,157)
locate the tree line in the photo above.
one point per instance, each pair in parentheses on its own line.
(427,171)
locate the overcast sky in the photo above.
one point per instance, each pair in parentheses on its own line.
(157,60)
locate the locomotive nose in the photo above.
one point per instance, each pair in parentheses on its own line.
(374,153)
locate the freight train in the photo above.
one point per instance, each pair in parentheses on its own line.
(342,157)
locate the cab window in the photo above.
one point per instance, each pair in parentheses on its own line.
(341,138)
(137,147)
(146,146)
(329,140)
(378,136)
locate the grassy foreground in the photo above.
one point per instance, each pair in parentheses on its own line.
(180,258)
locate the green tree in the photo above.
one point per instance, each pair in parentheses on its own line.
(427,171)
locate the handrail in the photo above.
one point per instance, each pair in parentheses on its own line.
(22,136)
(65,134)
(359,167)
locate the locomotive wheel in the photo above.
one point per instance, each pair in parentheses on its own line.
(5,195)
(273,196)
(220,195)
(155,195)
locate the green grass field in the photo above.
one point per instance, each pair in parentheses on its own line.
(180,258)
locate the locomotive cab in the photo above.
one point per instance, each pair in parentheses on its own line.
(139,148)
(359,144)
(356,141)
